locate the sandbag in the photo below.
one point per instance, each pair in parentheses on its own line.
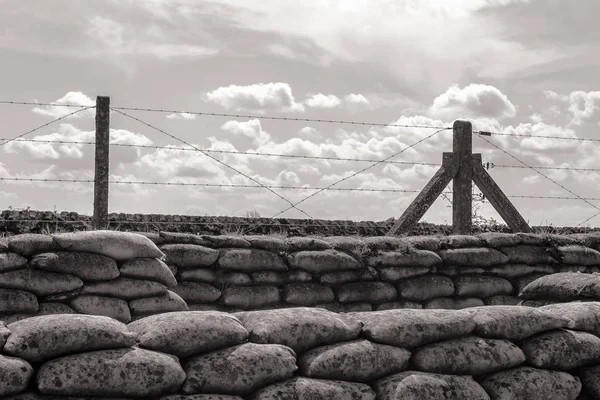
(125,288)
(86,266)
(501,301)
(339,277)
(194,292)
(467,356)
(514,323)
(413,328)
(473,257)
(570,268)
(355,361)
(520,283)
(235,279)
(530,255)
(371,292)
(531,384)
(359,306)
(15,375)
(40,283)
(129,372)
(585,316)
(52,308)
(120,246)
(394,274)
(28,244)
(431,243)
(579,255)
(238,370)
(200,397)
(544,268)
(482,286)
(453,303)
(590,378)
(189,255)
(300,388)
(266,242)
(41,338)
(280,278)
(222,241)
(460,241)
(425,287)
(151,269)
(510,271)
(452,270)
(300,243)
(317,262)
(353,245)
(563,286)
(4,334)
(386,243)
(182,238)
(158,304)
(307,294)
(395,305)
(299,328)
(562,350)
(188,333)
(199,275)
(414,258)
(536,303)
(100,305)
(250,297)
(250,260)
(497,239)
(413,385)
(17,301)
(11,261)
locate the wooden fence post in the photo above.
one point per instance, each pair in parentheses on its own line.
(462,186)
(100,219)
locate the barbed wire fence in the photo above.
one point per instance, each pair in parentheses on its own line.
(252,227)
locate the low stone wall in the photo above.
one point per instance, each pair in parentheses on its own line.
(128,276)
(502,352)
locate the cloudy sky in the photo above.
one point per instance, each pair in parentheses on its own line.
(528,68)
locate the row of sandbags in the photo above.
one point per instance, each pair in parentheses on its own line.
(486,352)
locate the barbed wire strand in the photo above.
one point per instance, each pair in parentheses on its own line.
(44,125)
(545,176)
(32,103)
(487,133)
(213,158)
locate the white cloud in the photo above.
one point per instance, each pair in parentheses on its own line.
(582,105)
(356,99)
(532,179)
(71,98)
(320,100)
(183,116)
(474,100)
(251,129)
(258,98)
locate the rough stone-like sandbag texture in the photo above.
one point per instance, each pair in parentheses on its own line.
(199,275)
(11,261)
(212,307)
(452,270)
(250,297)
(532,239)
(62,297)
(238,370)
(355,361)
(515,323)
(307,294)
(308,389)
(425,287)
(194,292)
(386,243)
(41,338)
(354,245)
(120,246)
(536,303)
(40,283)
(452,303)
(396,305)
(250,260)
(299,328)
(130,372)
(167,302)
(469,355)
(100,305)
(4,245)
(29,244)
(323,261)
(570,268)
(154,237)
(182,238)
(530,255)
(394,274)
(590,378)
(36,396)
(431,243)
(336,278)
(473,257)
(151,269)
(86,266)
(531,384)
(189,255)
(544,269)
(125,288)
(511,271)
(235,279)
(521,282)
(413,385)
(561,350)
(15,375)
(299,243)
(188,333)
(54,308)
(460,242)
(413,328)
(4,334)
(17,301)
(372,292)
(359,306)
(579,255)
(280,278)
(501,301)
(265,242)
(590,239)
(200,397)
(585,316)
(414,258)
(497,240)
(563,286)
(482,286)
(223,241)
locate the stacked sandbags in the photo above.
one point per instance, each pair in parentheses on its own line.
(561,287)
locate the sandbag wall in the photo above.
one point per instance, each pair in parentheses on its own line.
(490,352)
(128,275)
